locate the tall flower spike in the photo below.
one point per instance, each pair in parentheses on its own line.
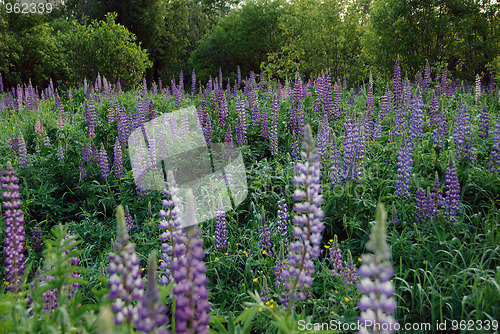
(308,225)
(103,162)
(125,281)
(151,312)
(190,290)
(452,191)
(282,220)
(377,303)
(14,232)
(220,228)
(336,258)
(350,272)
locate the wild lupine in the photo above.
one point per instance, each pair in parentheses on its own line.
(36,238)
(118,160)
(336,258)
(483,123)
(282,225)
(377,303)
(125,281)
(14,232)
(308,225)
(419,80)
(95,153)
(421,205)
(398,89)
(220,228)
(494,165)
(275,107)
(336,103)
(14,145)
(462,134)
(241,127)
(265,235)
(23,153)
(350,272)
(103,162)
(86,153)
(190,290)
(171,228)
(385,104)
(336,163)
(435,198)
(264,126)
(478,88)
(228,143)
(83,171)
(416,119)
(222,107)
(323,137)
(354,148)
(129,221)
(405,168)
(151,312)
(60,152)
(435,123)
(452,191)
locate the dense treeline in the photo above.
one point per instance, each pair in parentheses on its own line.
(160,38)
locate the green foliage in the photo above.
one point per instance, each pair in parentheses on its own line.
(105,48)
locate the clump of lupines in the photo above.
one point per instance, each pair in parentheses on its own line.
(125,281)
(151,312)
(377,304)
(405,168)
(452,191)
(336,258)
(462,134)
(220,228)
(308,225)
(188,271)
(265,235)
(14,232)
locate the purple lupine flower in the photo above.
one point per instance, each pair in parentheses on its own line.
(151,313)
(336,258)
(60,152)
(398,89)
(118,160)
(220,228)
(400,122)
(14,145)
(103,162)
(129,221)
(125,281)
(264,126)
(462,134)
(228,143)
(377,303)
(222,107)
(385,104)
(308,225)
(350,271)
(275,108)
(265,235)
(435,198)
(377,128)
(171,229)
(335,163)
(23,153)
(14,232)
(86,153)
(151,153)
(83,171)
(190,290)
(36,238)
(494,165)
(185,126)
(483,123)
(322,138)
(452,191)
(354,147)
(282,225)
(241,126)
(327,97)
(419,80)
(416,119)
(421,205)
(405,168)
(95,153)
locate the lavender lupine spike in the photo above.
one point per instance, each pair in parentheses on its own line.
(125,281)
(220,228)
(350,271)
(462,134)
(385,104)
(435,198)
(416,119)
(228,143)
(103,162)
(494,165)
(171,229)
(265,235)
(14,232)
(264,126)
(118,160)
(241,127)
(421,205)
(23,153)
(308,225)
(60,152)
(83,171)
(275,107)
(336,258)
(478,89)
(483,123)
(151,312)
(435,123)
(129,221)
(452,192)
(190,290)
(377,303)
(282,226)
(405,168)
